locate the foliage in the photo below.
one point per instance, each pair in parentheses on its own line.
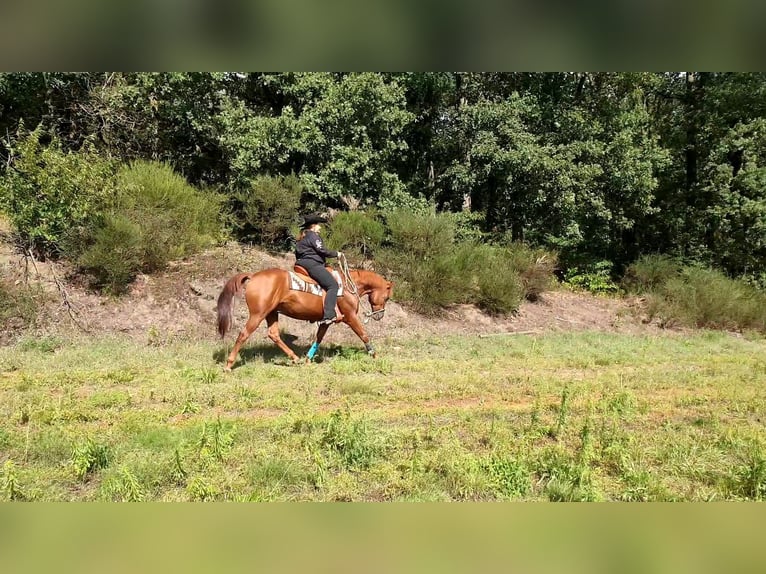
(594,166)
(595,278)
(339,132)
(267,209)
(89,456)
(49,192)
(649,273)
(702,297)
(534,267)
(736,188)
(19,305)
(356,231)
(434,271)
(421,235)
(116,253)
(155,217)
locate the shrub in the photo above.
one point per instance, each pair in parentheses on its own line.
(649,273)
(19,306)
(356,232)
(266,210)
(155,217)
(701,297)
(534,266)
(427,284)
(500,288)
(116,254)
(424,235)
(595,278)
(48,193)
(435,271)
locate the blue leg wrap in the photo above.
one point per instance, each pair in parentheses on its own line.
(313,350)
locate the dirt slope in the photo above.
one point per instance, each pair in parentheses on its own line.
(180,303)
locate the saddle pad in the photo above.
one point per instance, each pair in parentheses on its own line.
(297,283)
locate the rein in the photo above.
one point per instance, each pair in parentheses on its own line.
(343,262)
(347,275)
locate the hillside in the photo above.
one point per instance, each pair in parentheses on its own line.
(180,303)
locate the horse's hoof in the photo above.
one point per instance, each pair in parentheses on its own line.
(227,369)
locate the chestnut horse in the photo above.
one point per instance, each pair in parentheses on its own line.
(268,294)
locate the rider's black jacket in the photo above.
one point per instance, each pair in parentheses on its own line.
(310,249)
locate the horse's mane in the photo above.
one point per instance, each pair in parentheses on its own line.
(369,278)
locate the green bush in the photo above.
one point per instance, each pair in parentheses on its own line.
(496,279)
(155,217)
(707,298)
(266,210)
(427,284)
(649,273)
(49,193)
(500,287)
(116,254)
(594,278)
(356,232)
(19,306)
(534,266)
(423,235)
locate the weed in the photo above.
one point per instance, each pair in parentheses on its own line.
(200,490)
(189,406)
(563,479)
(563,412)
(351,439)
(215,440)
(89,456)
(10,483)
(124,487)
(509,476)
(178,473)
(42,344)
(209,375)
(750,477)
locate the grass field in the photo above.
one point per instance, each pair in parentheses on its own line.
(561,417)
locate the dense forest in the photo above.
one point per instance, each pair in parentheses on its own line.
(600,168)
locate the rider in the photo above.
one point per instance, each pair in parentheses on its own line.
(311,254)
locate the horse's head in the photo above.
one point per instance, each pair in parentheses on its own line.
(379,295)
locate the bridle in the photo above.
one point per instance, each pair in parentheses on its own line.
(352,288)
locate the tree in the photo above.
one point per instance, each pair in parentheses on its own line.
(339,134)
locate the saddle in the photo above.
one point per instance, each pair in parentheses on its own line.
(300,280)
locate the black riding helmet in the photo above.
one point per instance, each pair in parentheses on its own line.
(311,219)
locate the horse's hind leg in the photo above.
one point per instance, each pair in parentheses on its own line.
(272,320)
(247,330)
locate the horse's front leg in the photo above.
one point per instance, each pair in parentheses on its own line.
(321,332)
(357,327)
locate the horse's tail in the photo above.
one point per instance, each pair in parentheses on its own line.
(225,307)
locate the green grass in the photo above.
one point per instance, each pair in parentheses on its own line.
(561,417)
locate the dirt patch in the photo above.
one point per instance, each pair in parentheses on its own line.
(180,303)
